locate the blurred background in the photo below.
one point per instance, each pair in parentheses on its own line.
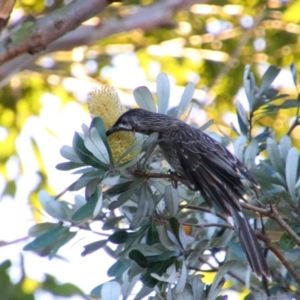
(44,88)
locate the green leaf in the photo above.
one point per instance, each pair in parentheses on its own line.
(46,239)
(242,118)
(293,69)
(112,222)
(66,166)
(110,291)
(85,155)
(121,188)
(123,198)
(274,156)
(249,85)
(291,172)
(142,209)
(65,238)
(68,153)
(185,99)
(267,79)
(219,280)
(285,145)
(87,210)
(250,154)
(57,209)
(139,258)
(119,237)
(144,98)
(152,234)
(118,268)
(206,125)
(182,279)
(164,238)
(95,145)
(163,92)
(98,123)
(159,269)
(90,248)
(198,287)
(41,228)
(172,200)
(178,232)
(239,146)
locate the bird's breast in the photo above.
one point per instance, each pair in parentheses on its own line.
(171,156)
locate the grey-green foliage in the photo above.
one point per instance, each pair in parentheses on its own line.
(162,241)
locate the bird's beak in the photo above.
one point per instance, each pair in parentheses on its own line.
(111,130)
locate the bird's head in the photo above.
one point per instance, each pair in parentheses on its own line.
(139,120)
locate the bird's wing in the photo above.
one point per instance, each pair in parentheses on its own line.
(214,171)
(210,166)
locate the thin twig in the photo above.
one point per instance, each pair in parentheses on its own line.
(275,215)
(226,226)
(205,209)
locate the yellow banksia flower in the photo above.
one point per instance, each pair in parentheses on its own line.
(105,103)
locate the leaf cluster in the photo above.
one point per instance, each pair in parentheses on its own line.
(165,235)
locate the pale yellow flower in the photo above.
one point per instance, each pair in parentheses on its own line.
(105,103)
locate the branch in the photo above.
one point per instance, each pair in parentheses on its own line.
(6,7)
(278,254)
(34,36)
(146,18)
(275,215)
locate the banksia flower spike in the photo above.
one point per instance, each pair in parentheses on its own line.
(105,103)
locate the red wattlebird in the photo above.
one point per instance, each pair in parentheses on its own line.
(206,165)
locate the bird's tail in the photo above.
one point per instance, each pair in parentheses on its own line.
(250,244)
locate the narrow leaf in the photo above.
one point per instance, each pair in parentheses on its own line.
(98,123)
(139,258)
(250,154)
(85,155)
(182,279)
(98,205)
(96,146)
(142,210)
(90,248)
(291,170)
(219,279)
(152,234)
(293,69)
(274,156)
(285,144)
(268,78)
(46,239)
(86,211)
(172,200)
(144,98)
(111,223)
(163,92)
(242,118)
(119,237)
(67,152)
(185,99)
(67,166)
(178,231)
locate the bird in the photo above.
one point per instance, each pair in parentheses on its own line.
(207,166)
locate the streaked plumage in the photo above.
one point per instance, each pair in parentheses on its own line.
(207,165)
